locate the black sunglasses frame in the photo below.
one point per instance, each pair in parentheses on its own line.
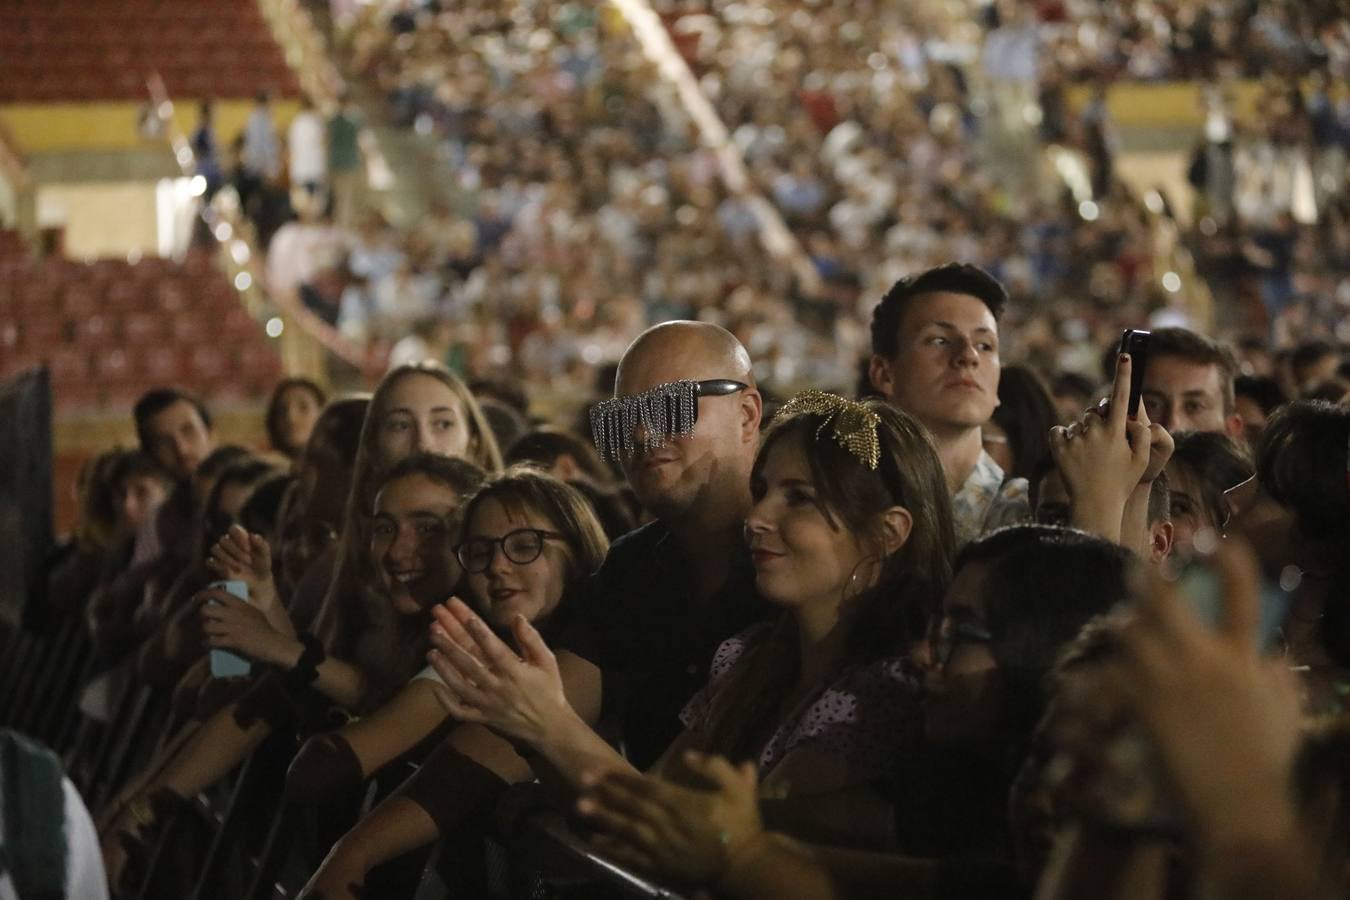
(542,534)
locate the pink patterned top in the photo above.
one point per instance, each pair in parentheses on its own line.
(866,717)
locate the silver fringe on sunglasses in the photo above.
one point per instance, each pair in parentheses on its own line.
(666,411)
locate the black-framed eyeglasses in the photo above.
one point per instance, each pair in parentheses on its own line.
(521,546)
(953,636)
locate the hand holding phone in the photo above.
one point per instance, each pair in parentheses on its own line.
(1135,342)
(225,664)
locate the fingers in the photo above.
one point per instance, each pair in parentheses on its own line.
(492,649)
(452,704)
(1140,440)
(1120,392)
(630,801)
(262,551)
(453,629)
(716,770)
(462,687)
(532,645)
(1059,442)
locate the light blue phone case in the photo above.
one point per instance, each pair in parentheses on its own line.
(225,664)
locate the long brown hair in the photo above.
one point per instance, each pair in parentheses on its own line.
(352,574)
(522,488)
(886,618)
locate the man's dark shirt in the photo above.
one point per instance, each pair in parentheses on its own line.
(639,623)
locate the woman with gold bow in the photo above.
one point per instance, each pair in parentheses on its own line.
(851,534)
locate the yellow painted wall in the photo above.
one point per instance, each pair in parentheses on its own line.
(101,218)
(1163,105)
(44,127)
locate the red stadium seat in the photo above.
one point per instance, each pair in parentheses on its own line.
(142,328)
(95,331)
(67,364)
(161,365)
(112,363)
(39,331)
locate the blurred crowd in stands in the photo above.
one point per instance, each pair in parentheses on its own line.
(973,633)
(574,201)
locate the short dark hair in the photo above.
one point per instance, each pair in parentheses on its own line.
(1197,348)
(1159,500)
(1217,463)
(545,444)
(950,278)
(1262,390)
(1026,413)
(155,401)
(1308,354)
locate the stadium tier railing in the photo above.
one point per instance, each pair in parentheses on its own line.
(305,339)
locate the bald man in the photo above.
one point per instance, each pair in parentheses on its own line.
(646,624)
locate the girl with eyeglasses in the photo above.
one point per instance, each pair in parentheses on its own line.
(526,542)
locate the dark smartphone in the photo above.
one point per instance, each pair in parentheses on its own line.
(1135,342)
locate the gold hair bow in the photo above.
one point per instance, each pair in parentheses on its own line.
(853,425)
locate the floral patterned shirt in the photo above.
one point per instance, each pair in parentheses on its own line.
(988,501)
(864,717)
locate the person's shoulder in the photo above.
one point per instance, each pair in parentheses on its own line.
(637,544)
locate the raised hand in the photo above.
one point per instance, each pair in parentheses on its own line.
(229,623)
(1224,720)
(246,557)
(688,834)
(1103,459)
(519,696)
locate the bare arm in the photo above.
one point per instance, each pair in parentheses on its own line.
(396,826)
(396,727)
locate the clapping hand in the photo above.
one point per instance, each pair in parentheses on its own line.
(518,695)
(686,834)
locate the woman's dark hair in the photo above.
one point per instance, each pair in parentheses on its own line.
(337,432)
(272,419)
(615,507)
(387,647)
(886,618)
(1042,583)
(99,489)
(351,568)
(523,488)
(1302,465)
(544,446)
(218,460)
(909,474)
(1026,413)
(1217,463)
(214,522)
(1262,390)
(261,513)
(460,475)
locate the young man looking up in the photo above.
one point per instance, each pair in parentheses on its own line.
(935,355)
